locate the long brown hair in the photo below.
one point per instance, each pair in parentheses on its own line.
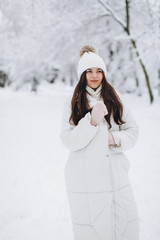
(80,104)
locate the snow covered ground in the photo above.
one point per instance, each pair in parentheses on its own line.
(33,202)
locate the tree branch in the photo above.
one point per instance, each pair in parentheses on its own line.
(113,14)
(127,17)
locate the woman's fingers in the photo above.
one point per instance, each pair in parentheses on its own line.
(101,106)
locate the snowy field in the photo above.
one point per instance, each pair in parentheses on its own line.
(33,202)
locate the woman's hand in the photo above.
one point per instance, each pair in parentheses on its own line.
(98,113)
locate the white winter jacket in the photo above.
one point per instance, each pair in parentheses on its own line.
(98,174)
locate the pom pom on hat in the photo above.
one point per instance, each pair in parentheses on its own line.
(87,48)
(89,58)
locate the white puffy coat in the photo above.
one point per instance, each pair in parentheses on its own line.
(99,193)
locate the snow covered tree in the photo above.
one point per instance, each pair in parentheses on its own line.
(40,41)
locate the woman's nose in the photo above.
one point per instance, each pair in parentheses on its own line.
(94,74)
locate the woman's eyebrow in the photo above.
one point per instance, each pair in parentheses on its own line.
(91,69)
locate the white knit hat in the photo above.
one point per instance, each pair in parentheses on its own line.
(89,59)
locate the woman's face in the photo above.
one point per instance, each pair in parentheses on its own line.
(94,77)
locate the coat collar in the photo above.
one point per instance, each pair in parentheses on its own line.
(96,94)
(93,95)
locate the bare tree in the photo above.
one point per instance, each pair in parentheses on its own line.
(126,28)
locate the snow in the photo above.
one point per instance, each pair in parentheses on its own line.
(33,197)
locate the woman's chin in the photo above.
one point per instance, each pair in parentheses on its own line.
(94,85)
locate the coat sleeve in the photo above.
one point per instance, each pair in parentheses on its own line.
(128,132)
(76,137)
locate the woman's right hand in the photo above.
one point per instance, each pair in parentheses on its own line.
(98,113)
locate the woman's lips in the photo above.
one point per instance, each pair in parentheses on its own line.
(94,80)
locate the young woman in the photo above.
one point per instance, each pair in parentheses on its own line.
(97,128)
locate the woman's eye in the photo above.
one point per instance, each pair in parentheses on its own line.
(90,71)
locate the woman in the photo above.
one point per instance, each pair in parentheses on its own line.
(97,128)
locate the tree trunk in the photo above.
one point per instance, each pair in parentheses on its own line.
(144,71)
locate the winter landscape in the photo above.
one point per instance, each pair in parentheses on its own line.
(39,43)
(33,198)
